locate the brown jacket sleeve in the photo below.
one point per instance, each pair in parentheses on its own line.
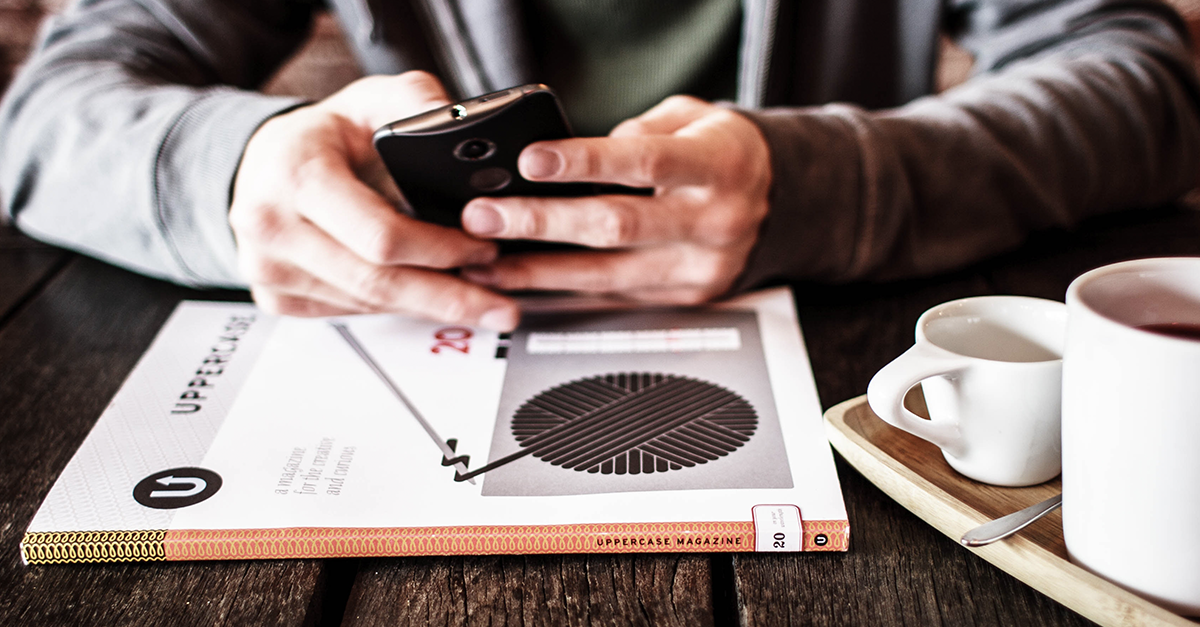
(1075,109)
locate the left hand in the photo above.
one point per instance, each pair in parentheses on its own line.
(710,169)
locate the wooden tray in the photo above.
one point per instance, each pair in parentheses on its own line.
(914,473)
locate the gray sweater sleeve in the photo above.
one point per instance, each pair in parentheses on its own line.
(120,137)
(1076,108)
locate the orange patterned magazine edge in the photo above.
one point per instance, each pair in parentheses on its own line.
(75,547)
(321,542)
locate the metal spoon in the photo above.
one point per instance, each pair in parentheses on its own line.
(1005,526)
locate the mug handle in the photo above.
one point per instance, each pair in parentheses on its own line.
(886,391)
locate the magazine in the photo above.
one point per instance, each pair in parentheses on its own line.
(242,435)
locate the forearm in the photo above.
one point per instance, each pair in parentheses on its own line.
(1103,117)
(120,139)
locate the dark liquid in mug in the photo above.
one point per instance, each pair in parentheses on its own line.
(1182,330)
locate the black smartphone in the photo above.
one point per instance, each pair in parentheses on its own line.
(443,158)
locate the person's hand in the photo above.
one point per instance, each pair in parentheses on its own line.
(711,173)
(316,223)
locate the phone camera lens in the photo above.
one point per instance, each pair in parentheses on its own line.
(474,149)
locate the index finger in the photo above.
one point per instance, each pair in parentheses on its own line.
(364,222)
(635,161)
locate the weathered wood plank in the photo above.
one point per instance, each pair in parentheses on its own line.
(899,570)
(26,265)
(534,590)
(65,353)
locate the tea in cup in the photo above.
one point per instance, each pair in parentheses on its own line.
(1131,428)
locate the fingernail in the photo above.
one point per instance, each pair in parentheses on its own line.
(481,275)
(539,163)
(482,219)
(500,319)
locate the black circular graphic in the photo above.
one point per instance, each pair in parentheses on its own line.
(821,539)
(634,423)
(177,487)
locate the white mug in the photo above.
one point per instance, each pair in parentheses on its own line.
(1131,428)
(991,371)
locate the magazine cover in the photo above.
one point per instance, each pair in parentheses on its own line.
(241,435)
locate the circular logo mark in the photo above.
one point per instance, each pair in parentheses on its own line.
(177,487)
(821,539)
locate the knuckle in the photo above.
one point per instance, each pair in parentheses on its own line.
(652,165)
(419,79)
(355,89)
(712,275)
(313,170)
(308,178)
(600,281)
(632,126)
(452,308)
(425,86)
(529,223)
(382,246)
(723,116)
(363,83)
(681,100)
(613,227)
(513,273)
(595,284)
(697,269)
(255,221)
(726,228)
(262,270)
(372,285)
(584,162)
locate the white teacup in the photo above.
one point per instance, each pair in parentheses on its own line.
(1131,428)
(991,371)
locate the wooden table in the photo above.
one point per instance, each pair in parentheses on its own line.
(71,329)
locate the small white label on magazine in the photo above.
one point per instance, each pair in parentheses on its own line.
(690,340)
(777,528)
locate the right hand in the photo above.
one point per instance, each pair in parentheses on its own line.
(318,233)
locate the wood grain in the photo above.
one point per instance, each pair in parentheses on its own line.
(65,353)
(905,571)
(899,570)
(534,590)
(914,473)
(27,265)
